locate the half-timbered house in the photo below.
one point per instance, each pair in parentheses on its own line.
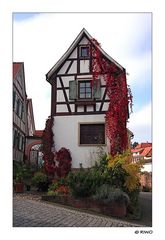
(19,112)
(78,107)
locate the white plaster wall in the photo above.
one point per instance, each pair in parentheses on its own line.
(84,66)
(60,96)
(65,131)
(74,54)
(62,108)
(84,41)
(64,67)
(147,167)
(73,68)
(66,80)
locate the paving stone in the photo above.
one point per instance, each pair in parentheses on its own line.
(32,212)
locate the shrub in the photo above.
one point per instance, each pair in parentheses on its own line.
(125,173)
(19,177)
(108,194)
(63,157)
(58,189)
(40,181)
(53,186)
(81,183)
(122,167)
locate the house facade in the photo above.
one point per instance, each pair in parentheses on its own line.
(26,139)
(143,152)
(20,129)
(78,107)
(33,138)
(30,117)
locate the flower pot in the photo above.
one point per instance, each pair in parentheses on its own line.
(19,188)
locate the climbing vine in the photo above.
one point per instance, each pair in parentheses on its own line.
(54,162)
(120,97)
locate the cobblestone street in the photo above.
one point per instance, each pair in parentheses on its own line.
(32,212)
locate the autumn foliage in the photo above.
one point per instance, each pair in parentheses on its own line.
(63,158)
(59,162)
(120,98)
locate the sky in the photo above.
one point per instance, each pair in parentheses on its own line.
(40,39)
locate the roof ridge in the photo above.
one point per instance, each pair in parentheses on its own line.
(71,48)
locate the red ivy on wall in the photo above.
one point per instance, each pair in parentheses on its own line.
(59,162)
(120,98)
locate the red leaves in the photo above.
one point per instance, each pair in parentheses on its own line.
(64,159)
(120,98)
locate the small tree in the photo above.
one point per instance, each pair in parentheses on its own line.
(126,175)
(134,144)
(64,159)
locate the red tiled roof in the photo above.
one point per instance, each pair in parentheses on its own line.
(143,145)
(147,152)
(137,150)
(16,67)
(38,133)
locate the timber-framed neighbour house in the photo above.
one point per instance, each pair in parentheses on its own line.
(24,134)
(19,112)
(78,107)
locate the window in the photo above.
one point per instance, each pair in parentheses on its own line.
(14,98)
(84,51)
(19,108)
(84,90)
(92,134)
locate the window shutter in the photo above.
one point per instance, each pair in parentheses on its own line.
(97,89)
(72,90)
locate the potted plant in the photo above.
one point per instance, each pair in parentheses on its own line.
(27,178)
(40,181)
(19,185)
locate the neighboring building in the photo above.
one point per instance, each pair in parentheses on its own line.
(30,118)
(33,154)
(143,152)
(77,107)
(33,150)
(19,112)
(26,140)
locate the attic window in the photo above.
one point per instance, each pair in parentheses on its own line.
(84,51)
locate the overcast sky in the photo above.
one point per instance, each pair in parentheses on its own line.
(39,40)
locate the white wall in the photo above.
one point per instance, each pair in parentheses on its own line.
(65,131)
(147,167)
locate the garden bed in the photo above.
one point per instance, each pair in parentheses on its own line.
(113,209)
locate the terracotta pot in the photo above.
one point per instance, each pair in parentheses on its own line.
(19,188)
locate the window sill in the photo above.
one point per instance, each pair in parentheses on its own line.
(85,102)
(92,145)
